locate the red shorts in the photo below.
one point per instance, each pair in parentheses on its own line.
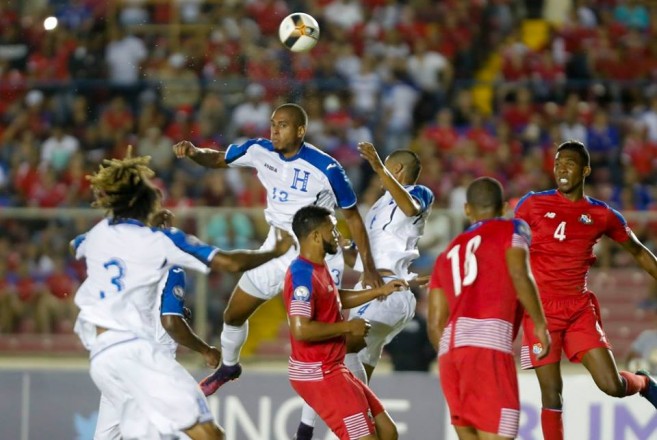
(575,327)
(346,404)
(481,389)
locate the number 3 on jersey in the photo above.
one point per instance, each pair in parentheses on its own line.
(469,267)
(560,232)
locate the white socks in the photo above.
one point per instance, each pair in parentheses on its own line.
(355,366)
(308,415)
(232,340)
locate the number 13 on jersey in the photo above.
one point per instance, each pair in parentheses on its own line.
(469,266)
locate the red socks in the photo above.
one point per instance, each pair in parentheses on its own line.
(634,383)
(552,424)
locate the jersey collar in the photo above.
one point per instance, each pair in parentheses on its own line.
(125,221)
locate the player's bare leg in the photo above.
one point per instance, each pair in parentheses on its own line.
(205,431)
(466,433)
(385,427)
(602,366)
(240,307)
(551,383)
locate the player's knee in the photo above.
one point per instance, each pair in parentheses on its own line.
(611,387)
(206,431)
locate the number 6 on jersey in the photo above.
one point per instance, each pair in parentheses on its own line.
(469,267)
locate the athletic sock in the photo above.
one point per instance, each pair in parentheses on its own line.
(634,383)
(308,415)
(304,432)
(552,424)
(232,340)
(354,365)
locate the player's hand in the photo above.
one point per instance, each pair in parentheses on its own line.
(212,357)
(371,279)
(543,335)
(162,219)
(392,286)
(368,152)
(284,241)
(358,327)
(184,149)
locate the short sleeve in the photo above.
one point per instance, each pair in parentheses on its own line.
(522,236)
(78,245)
(341,186)
(173,294)
(187,251)
(241,155)
(301,303)
(423,195)
(617,228)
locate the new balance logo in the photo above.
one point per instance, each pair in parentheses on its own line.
(550,215)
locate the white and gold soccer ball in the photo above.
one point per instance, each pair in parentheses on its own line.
(299,32)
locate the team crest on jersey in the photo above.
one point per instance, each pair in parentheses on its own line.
(302,293)
(586,219)
(178,292)
(537,348)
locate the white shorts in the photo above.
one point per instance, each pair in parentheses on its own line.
(145,389)
(266,281)
(387,317)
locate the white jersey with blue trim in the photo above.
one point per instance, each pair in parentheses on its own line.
(126,262)
(394,236)
(311,177)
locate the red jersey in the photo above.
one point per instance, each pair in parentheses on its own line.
(472,272)
(309,291)
(564,233)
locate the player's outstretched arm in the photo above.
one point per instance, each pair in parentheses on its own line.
(181,332)
(203,156)
(437,316)
(407,203)
(641,254)
(306,330)
(354,298)
(241,260)
(517,260)
(371,277)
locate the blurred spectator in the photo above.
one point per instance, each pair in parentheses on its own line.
(643,352)
(158,147)
(124,55)
(57,150)
(251,117)
(399,98)
(179,85)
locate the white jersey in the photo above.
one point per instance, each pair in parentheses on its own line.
(311,177)
(126,262)
(393,236)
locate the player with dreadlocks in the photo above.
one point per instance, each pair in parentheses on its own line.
(145,388)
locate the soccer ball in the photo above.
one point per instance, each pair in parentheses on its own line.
(298,32)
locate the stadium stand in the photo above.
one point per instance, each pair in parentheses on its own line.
(491,87)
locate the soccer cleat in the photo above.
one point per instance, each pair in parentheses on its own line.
(223,374)
(649,393)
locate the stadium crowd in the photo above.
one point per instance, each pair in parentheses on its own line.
(394,72)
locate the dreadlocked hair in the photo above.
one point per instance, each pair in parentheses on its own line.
(123,187)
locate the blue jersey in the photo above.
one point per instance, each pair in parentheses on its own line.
(311,177)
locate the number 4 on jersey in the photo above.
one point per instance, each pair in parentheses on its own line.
(469,267)
(560,232)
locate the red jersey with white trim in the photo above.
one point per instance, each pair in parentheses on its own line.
(472,272)
(564,233)
(309,291)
